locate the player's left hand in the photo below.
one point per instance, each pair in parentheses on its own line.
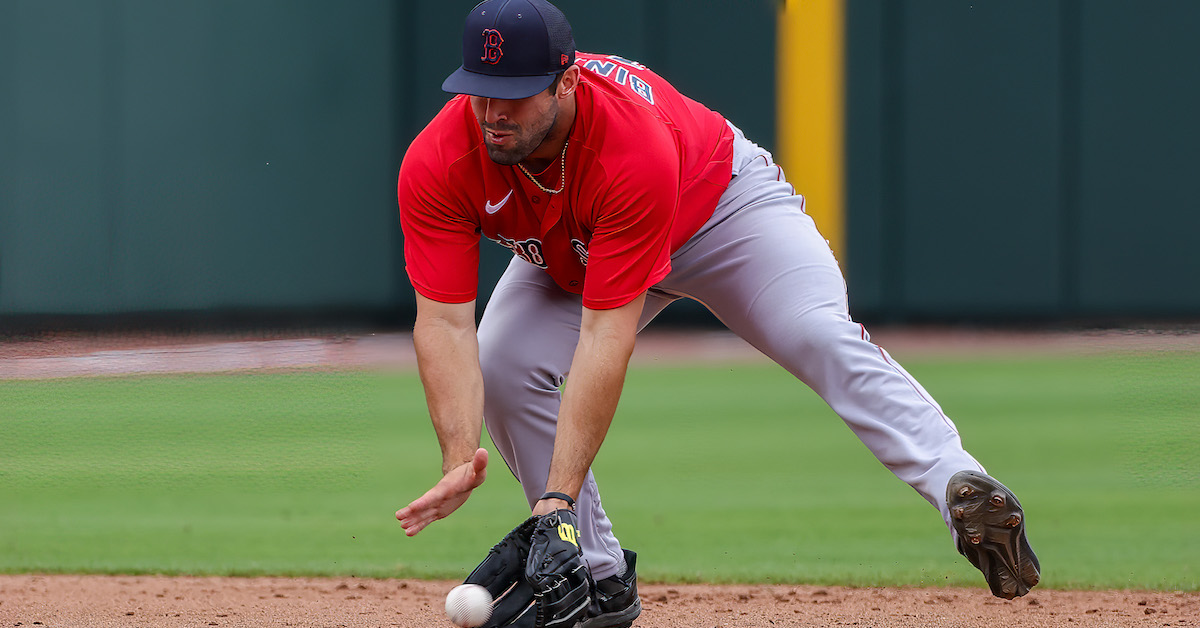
(536,574)
(446,496)
(561,583)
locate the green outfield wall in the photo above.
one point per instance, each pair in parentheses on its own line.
(1025,159)
(193,155)
(199,156)
(1017,159)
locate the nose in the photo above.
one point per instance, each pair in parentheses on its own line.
(495,110)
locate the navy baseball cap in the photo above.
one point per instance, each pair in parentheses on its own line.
(512,49)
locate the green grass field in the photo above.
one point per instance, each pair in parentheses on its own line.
(714,473)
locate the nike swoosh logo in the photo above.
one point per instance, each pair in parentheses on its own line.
(491,209)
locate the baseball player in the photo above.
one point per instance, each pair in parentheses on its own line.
(618,195)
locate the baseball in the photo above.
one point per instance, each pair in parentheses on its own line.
(469,605)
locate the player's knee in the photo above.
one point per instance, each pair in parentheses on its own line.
(833,335)
(511,381)
(813,341)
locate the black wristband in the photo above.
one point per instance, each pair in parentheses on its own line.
(562,496)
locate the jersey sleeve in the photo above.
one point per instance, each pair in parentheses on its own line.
(630,246)
(441,241)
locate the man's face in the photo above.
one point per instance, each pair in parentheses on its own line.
(513,129)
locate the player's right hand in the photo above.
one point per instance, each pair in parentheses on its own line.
(446,496)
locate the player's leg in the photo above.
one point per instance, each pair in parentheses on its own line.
(776,284)
(527,338)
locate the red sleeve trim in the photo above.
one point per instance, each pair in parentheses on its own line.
(616,302)
(442,297)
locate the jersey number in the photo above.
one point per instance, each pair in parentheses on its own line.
(529,250)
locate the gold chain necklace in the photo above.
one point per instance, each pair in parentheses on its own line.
(562,175)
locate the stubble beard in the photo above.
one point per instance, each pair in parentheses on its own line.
(523,148)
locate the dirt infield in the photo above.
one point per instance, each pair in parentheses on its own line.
(160,602)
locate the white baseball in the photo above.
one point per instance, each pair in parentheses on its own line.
(469,605)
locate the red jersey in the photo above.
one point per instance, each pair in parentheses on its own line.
(645,167)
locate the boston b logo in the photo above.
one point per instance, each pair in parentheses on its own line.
(491,46)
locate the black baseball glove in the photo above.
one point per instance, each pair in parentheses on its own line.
(561,583)
(536,575)
(502,573)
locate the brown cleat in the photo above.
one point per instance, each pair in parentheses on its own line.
(991,533)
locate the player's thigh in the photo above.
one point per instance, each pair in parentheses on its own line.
(529,327)
(768,274)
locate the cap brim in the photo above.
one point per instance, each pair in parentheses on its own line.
(464,81)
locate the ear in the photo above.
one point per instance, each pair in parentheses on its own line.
(570,80)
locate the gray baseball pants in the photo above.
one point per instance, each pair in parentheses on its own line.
(760,265)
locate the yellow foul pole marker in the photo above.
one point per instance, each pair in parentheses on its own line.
(809,110)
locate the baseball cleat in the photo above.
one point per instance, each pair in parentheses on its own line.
(615,601)
(991,533)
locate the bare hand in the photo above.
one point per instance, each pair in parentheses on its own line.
(446,496)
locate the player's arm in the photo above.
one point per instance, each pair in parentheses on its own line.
(448,361)
(606,340)
(629,251)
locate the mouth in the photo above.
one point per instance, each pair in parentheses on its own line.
(498,138)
